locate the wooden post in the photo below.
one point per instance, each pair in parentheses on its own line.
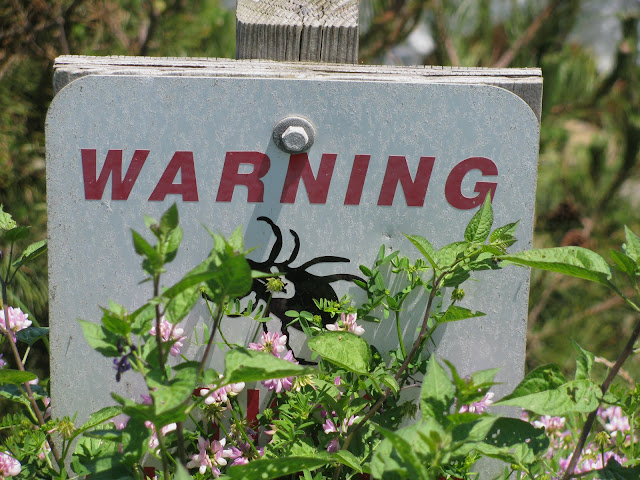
(323,31)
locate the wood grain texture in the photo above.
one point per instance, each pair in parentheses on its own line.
(524,82)
(297,30)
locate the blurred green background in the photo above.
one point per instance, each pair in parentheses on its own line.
(588,185)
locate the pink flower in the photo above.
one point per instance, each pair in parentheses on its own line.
(2,362)
(337,381)
(552,425)
(478,407)
(592,460)
(341,429)
(271,342)
(329,427)
(154,443)
(333,446)
(243,453)
(17,321)
(222,394)
(170,332)
(615,421)
(9,466)
(347,323)
(210,455)
(47,405)
(280,384)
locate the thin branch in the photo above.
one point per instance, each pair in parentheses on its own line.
(526,38)
(586,429)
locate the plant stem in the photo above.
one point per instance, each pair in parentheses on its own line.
(586,429)
(399,332)
(27,387)
(216,322)
(416,346)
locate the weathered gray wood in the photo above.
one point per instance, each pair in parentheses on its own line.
(297,30)
(524,82)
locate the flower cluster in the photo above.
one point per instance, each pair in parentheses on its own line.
(478,407)
(18,320)
(211,455)
(222,394)
(593,456)
(9,466)
(275,344)
(333,425)
(271,342)
(122,364)
(347,323)
(170,332)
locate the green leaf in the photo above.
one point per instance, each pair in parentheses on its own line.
(141,246)
(114,323)
(504,233)
(438,393)
(614,471)
(108,467)
(480,224)
(98,418)
(425,248)
(365,271)
(15,377)
(343,349)
(244,365)
(455,313)
(141,320)
(172,243)
(181,473)
(632,246)
(13,393)
(16,233)
(574,261)
(171,394)
(397,455)
(236,240)
(410,453)
(232,277)
(100,339)
(265,469)
(625,263)
(584,362)
(514,441)
(169,219)
(349,459)
(32,334)
(31,252)
(449,253)
(188,281)
(6,222)
(539,379)
(544,391)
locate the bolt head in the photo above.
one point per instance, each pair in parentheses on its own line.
(295,138)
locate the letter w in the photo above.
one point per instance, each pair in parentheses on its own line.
(120,188)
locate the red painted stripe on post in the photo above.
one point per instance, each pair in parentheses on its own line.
(149,472)
(215,431)
(253,407)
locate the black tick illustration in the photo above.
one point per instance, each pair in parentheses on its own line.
(306,285)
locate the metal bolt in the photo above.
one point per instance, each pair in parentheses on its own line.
(295,138)
(294,134)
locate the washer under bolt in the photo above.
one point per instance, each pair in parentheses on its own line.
(294,134)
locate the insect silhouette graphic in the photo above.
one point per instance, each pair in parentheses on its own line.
(307,286)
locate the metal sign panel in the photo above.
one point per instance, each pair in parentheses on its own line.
(388,158)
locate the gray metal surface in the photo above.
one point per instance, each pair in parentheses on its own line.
(90,253)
